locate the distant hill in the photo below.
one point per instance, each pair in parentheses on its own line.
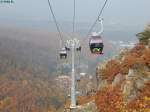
(27,46)
(26,68)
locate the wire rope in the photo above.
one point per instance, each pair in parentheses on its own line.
(55,21)
(74,14)
(97,19)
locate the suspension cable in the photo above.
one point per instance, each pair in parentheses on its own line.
(74,14)
(56,23)
(99,15)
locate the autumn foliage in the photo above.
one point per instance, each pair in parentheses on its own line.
(112,69)
(81,100)
(109,99)
(142,102)
(139,55)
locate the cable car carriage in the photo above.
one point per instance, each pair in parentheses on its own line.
(63,53)
(67,48)
(96,44)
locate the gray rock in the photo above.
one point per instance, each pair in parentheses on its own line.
(118,78)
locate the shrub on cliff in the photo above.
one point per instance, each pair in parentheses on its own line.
(144,36)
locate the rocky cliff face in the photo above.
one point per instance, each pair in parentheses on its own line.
(124,79)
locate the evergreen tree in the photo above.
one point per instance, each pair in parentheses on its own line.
(144,36)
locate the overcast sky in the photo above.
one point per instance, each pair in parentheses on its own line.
(117,11)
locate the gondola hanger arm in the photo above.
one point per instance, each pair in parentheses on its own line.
(102,27)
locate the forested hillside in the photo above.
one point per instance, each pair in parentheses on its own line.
(26,80)
(29,78)
(124,81)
